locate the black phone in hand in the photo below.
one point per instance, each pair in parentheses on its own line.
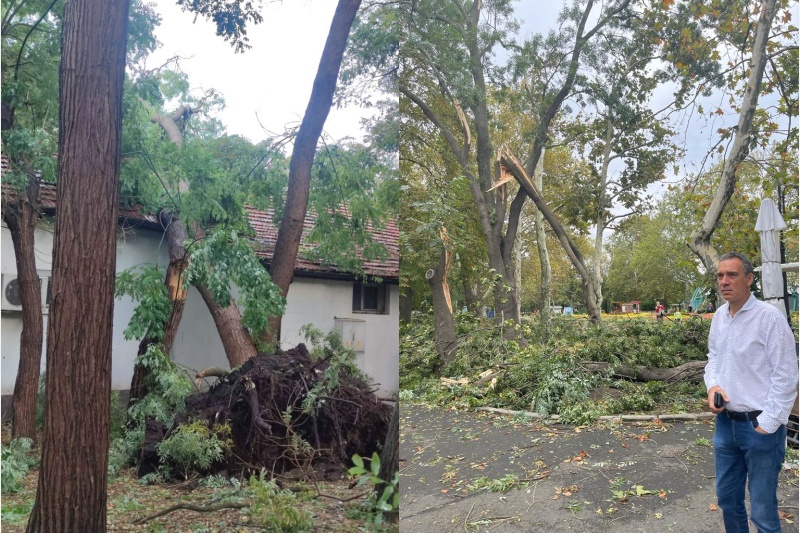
(718,402)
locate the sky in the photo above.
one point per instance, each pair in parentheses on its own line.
(268,86)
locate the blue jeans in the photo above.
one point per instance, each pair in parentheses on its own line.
(740,452)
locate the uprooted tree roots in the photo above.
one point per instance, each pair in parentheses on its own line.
(262,401)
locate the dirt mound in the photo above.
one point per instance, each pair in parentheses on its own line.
(263,401)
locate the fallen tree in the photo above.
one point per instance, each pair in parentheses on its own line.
(283,411)
(690,371)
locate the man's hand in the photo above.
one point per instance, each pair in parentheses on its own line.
(758,428)
(711,391)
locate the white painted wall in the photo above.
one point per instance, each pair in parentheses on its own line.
(133,248)
(320,302)
(197,345)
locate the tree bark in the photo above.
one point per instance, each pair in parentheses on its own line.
(700,239)
(21,219)
(691,371)
(444,331)
(406,304)
(305,146)
(541,245)
(390,458)
(71,492)
(236,340)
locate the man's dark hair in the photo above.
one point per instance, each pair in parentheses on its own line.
(748,266)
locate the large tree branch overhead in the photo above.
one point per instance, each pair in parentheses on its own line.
(305,145)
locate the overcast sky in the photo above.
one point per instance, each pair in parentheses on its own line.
(268,86)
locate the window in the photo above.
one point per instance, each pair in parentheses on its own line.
(369,298)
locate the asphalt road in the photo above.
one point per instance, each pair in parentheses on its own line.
(617,477)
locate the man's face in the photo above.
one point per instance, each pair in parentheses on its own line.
(733,282)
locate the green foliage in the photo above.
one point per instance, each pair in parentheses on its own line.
(547,375)
(371,57)
(504,484)
(168,388)
(388,500)
(168,385)
(341,360)
(230,16)
(275,509)
(145,284)
(15,461)
(223,259)
(195,446)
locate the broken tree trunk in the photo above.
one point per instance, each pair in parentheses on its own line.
(178,262)
(691,371)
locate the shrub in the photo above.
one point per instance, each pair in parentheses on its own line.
(195,446)
(15,463)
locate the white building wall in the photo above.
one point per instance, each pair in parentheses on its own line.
(321,302)
(133,248)
(197,345)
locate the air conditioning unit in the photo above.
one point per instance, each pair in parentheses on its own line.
(11,299)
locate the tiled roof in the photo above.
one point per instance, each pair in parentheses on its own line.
(266,235)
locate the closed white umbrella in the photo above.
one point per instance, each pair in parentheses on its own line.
(769,225)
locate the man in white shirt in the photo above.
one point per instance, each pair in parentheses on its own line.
(752,363)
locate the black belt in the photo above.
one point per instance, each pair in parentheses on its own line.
(747,415)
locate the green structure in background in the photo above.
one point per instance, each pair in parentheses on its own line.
(697,298)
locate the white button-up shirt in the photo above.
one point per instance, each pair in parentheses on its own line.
(752,357)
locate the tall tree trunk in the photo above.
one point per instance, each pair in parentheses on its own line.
(518,277)
(598,262)
(541,246)
(305,146)
(71,492)
(700,239)
(406,304)
(471,293)
(21,219)
(390,458)
(178,262)
(494,201)
(444,331)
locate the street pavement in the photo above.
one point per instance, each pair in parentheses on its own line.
(478,471)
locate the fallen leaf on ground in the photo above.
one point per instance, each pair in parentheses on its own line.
(712,507)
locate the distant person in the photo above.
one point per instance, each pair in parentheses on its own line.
(709,308)
(690,311)
(660,311)
(752,365)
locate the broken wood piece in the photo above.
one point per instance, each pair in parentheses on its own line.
(447,382)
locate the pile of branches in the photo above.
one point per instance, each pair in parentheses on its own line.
(263,402)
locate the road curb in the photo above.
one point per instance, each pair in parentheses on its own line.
(620,418)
